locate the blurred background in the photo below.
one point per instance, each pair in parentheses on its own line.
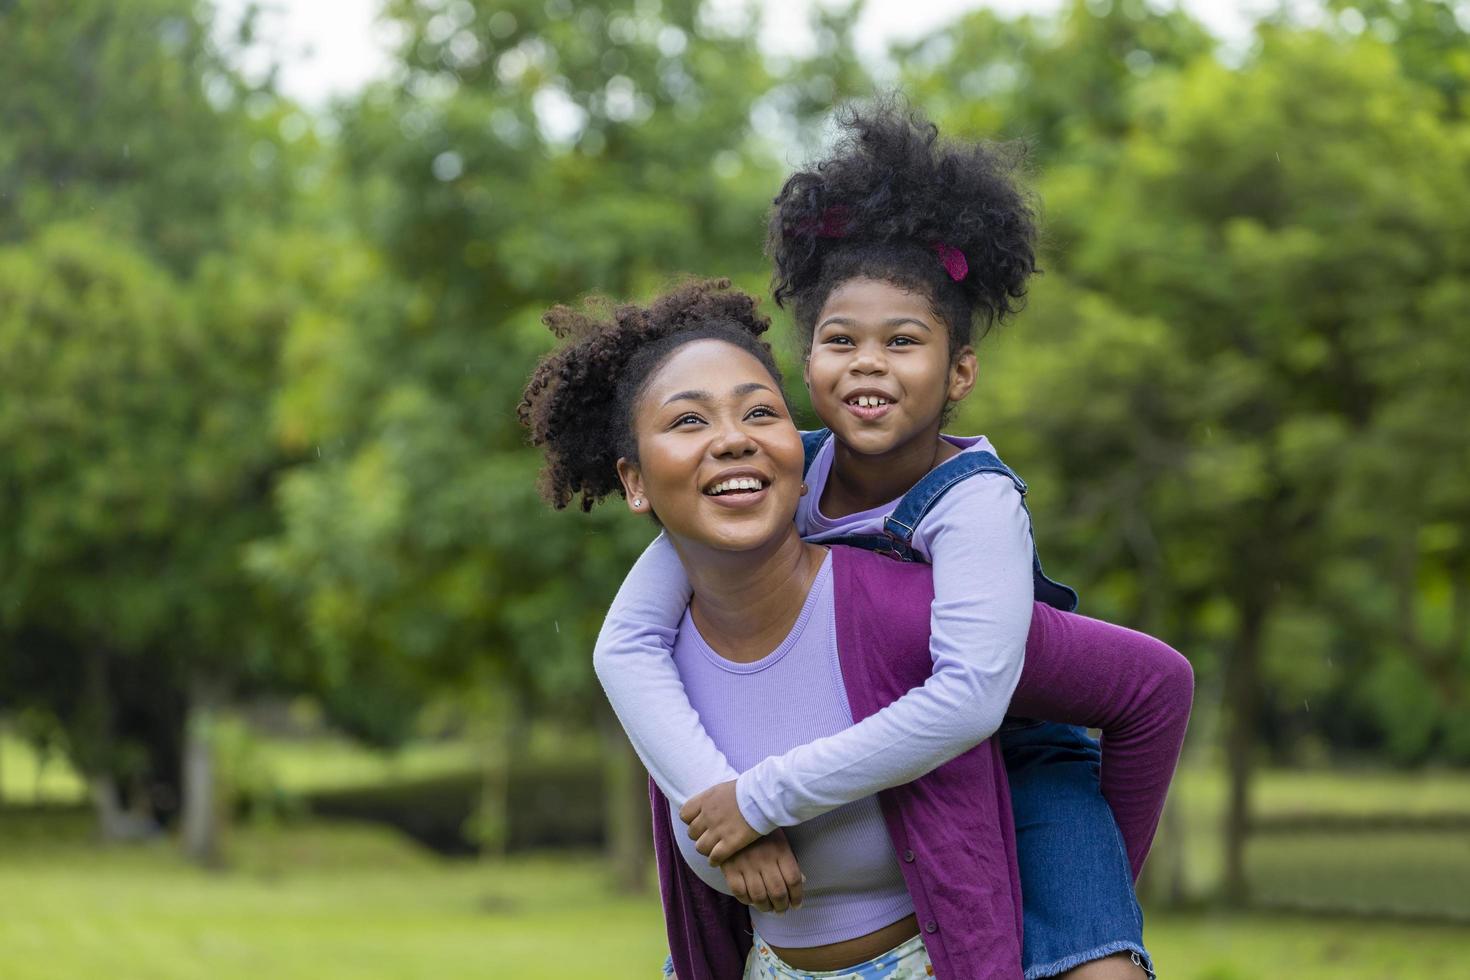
(295,666)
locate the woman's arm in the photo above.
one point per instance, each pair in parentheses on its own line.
(634,661)
(1135,688)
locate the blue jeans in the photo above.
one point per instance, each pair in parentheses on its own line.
(1077,893)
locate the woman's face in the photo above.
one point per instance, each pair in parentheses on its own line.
(880,372)
(719,459)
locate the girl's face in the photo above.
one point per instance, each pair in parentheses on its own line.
(880,372)
(719,459)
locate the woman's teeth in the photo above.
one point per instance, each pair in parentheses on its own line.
(868,401)
(728,486)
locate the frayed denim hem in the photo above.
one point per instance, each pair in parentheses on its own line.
(1140,956)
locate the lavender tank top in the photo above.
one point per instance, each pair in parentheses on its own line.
(789,697)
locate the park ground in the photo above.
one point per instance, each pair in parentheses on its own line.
(309,898)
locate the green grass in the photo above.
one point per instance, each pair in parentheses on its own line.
(25,779)
(326,901)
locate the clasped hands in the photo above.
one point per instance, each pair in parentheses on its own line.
(761,871)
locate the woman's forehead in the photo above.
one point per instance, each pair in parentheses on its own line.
(713,366)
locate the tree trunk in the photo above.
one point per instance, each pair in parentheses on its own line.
(202,810)
(1242,690)
(93,751)
(501,731)
(625,784)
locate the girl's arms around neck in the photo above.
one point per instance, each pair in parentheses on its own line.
(980,624)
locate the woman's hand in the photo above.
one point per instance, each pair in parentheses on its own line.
(765,874)
(716,825)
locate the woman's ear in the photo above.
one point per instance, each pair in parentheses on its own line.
(962,374)
(632,480)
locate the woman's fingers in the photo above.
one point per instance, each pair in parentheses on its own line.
(736,881)
(721,851)
(757,889)
(775,888)
(791,874)
(705,844)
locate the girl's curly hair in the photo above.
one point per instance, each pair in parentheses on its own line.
(877,207)
(579,402)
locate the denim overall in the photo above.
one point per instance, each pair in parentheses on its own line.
(1077,892)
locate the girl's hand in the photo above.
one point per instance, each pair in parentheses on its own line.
(765,874)
(716,825)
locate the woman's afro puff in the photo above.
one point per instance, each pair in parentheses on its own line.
(890,191)
(579,402)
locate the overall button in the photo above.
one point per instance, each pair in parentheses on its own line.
(908,856)
(931,926)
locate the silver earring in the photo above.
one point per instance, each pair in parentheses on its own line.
(637,502)
(803,489)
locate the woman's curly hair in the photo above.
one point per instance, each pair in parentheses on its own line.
(579,402)
(879,204)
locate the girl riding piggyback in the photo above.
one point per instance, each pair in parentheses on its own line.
(890,252)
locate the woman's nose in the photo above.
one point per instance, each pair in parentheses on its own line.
(732,440)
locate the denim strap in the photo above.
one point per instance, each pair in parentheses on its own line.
(811,442)
(917,503)
(899,526)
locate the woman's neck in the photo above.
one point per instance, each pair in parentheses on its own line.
(860,482)
(745,603)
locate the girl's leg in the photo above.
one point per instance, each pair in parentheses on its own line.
(1082,918)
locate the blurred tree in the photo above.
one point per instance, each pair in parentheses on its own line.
(130,117)
(1063,83)
(138,366)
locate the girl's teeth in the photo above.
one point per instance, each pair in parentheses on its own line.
(870,401)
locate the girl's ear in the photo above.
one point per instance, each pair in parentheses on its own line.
(632,480)
(962,374)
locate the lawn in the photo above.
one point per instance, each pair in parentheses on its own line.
(325,901)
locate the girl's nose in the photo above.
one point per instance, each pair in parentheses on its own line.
(869,360)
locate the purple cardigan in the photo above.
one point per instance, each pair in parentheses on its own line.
(952,827)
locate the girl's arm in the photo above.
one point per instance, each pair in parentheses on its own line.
(634,661)
(979,620)
(1135,688)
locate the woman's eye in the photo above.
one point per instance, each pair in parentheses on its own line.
(683,419)
(762,412)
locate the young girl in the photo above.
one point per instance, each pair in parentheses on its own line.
(784,643)
(890,251)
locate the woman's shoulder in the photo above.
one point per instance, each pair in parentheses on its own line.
(876,573)
(882,613)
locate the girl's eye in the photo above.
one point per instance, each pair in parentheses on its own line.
(690,417)
(903,341)
(840,340)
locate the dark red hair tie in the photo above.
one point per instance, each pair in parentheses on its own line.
(954,261)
